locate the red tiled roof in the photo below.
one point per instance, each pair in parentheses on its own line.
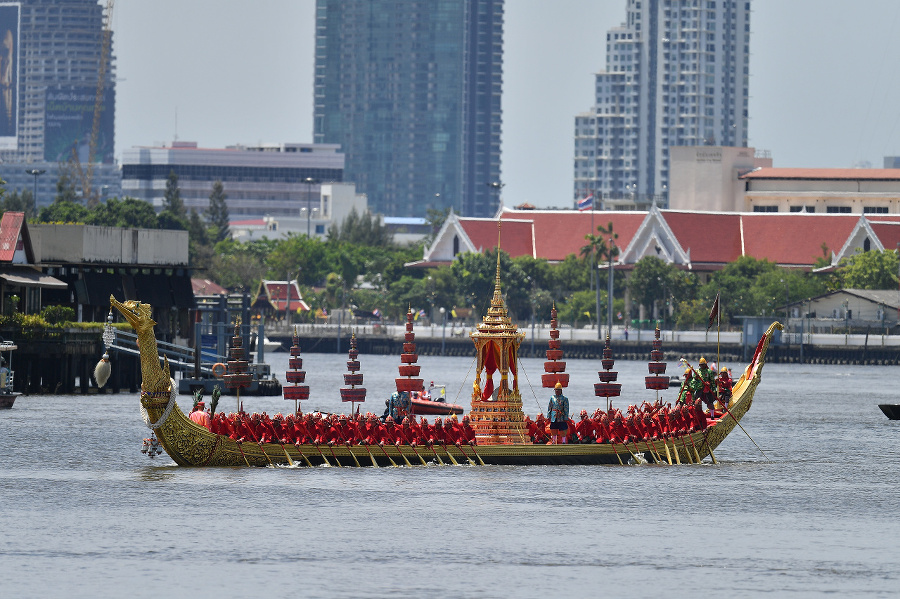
(795,238)
(516,238)
(558,233)
(10,226)
(888,232)
(710,237)
(277,293)
(883,174)
(207,287)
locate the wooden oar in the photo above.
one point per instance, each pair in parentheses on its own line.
(708,448)
(450,455)
(440,461)
(736,421)
(616,452)
(687,452)
(654,451)
(371,457)
(694,445)
(634,457)
(305,459)
(242,454)
(675,449)
(316,445)
(413,447)
(334,455)
(402,455)
(459,446)
(480,461)
(352,455)
(287,455)
(393,463)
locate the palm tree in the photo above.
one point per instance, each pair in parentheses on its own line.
(598,250)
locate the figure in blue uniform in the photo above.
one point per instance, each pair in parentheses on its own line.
(558,414)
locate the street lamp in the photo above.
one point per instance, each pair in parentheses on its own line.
(35,172)
(496,186)
(309,183)
(444,326)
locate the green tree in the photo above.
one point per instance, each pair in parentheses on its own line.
(173,215)
(16,202)
(217,213)
(127,212)
(867,270)
(655,282)
(65,186)
(362,229)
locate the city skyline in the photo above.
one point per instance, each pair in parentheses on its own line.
(820,86)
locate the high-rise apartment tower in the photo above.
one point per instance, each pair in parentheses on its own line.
(410,89)
(677,74)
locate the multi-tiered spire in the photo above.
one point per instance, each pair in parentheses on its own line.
(408,367)
(657,368)
(237,375)
(497,415)
(607,388)
(296,376)
(554,368)
(353,394)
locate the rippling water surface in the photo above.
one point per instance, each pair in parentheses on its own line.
(84,514)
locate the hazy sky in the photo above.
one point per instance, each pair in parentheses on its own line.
(824,88)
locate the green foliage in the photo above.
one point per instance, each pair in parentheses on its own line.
(16,202)
(579,307)
(173,215)
(655,282)
(217,214)
(64,211)
(58,314)
(65,185)
(127,212)
(363,230)
(867,270)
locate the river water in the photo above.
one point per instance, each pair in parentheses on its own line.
(85,514)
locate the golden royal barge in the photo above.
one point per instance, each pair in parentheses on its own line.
(496,414)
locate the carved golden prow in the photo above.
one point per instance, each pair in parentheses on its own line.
(156,378)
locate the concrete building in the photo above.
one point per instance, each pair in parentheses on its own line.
(822,190)
(709,177)
(411,92)
(330,204)
(278,180)
(677,74)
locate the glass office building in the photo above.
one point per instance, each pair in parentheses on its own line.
(411,92)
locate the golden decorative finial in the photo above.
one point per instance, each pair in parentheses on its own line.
(497,276)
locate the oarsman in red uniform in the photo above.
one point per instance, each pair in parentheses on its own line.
(651,429)
(602,428)
(541,435)
(699,416)
(724,386)
(468,432)
(584,430)
(619,433)
(452,432)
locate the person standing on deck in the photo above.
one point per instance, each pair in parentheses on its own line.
(558,413)
(707,387)
(724,385)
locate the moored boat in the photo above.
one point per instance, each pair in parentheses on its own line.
(428,405)
(7,395)
(891,410)
(498,424)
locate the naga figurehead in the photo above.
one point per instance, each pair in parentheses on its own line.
(156,378)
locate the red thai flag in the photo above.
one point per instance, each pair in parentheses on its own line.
(586,203)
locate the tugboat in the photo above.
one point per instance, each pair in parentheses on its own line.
(7,395)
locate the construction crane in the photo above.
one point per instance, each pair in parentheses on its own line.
(87,174)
